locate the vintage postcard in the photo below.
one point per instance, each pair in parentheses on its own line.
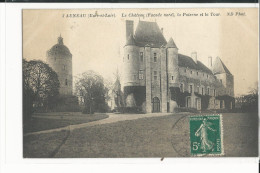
(128,83)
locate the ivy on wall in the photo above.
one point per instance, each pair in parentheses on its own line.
(204,100)
(227,100)
(139,93)
(178,96)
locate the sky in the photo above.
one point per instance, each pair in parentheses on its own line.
(96,43)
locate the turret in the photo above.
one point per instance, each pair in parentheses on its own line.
(131,58)
(172,65)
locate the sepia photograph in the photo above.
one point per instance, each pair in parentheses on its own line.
(140,83)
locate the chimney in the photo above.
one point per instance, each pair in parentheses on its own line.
(194,56)
(129,28)
(210,61)
(162,30)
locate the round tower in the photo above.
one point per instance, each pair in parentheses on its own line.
(172,65)
(131,63)
(60,60)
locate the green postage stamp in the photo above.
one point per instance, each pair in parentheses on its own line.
(206,135)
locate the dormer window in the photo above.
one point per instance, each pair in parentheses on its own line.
(154,57)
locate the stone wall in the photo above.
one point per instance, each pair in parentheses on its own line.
(62,65)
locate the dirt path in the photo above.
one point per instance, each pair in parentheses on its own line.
(111,119)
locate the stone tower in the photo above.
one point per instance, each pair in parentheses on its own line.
(60,60)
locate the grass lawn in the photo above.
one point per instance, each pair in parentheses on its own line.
(46,121)
(147,137)
(43,145)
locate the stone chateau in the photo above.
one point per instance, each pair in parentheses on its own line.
(157,78)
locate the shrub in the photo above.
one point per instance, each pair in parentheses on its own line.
(131,110)
(184,109)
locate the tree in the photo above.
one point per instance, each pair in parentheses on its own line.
(90,86)
(250,101)
(40,86)
(117,92)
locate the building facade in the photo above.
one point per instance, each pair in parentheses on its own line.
(157,78)
(60,60)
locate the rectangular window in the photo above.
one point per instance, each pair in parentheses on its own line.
(208,91)
(190,72)
(197,73)
(141,57)
(141,74)
(155,75)
(220,80)
(214,92)
(181,88)
(185,70)
(207,76)
(154,57)
(190,88)
(202,91)
(198,89)
(128,56)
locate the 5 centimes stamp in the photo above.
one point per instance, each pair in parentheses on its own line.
(206,135)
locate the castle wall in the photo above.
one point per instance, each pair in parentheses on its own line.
(148,96)
(62,65)
(164,94)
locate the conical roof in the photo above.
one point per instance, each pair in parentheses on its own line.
(171,44)
(130,40)
(149,33)
(219,67)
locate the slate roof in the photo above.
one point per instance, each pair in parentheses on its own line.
(219,67)
(171,44)
(186,61)
(130,40)
(149,33)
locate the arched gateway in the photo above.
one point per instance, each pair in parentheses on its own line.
(156,104)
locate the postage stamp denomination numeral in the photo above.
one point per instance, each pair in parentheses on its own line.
(206,135)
